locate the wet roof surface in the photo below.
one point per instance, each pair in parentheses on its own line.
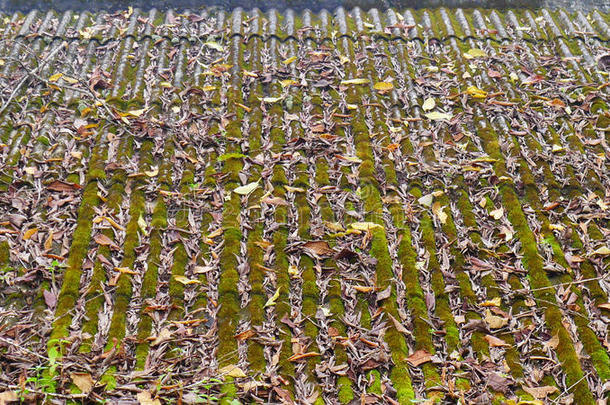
(376,207)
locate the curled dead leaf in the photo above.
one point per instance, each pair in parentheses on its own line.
(419,357)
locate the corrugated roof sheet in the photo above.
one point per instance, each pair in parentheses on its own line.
(376,207)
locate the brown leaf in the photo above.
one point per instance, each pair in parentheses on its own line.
(498,382)
(83,381)
(48,243)
(495,342)
(245,335)
(103,240)
(301,356)
(540,392)
(553,342)
(318,248)
(419,357)
(8,396)
(275,201)
(63,186)
(399,326)
(49,298)
(144,398)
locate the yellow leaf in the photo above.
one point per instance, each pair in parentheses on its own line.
(76,155)
(136,113)
(70,80)
(249,74)
(437,116)
(602,251)
(271,301)
(55,77)
(152,172)
(494,302)
(165,85)
(288,83)
(294,189)
(214,45)
(270,99)
(356,81)
(439,212)
(142,225)
(475,53)
(293,271)
(247,189)
(383,87)
(29,233)
(289,60)
(497,213)
(185,280)
(475,92)
(365,226)
(232,371)
(429,104)
(334,226)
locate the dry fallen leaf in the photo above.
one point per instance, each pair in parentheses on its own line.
(245,335)
(540,392)
(495,342)
(103,240)
(29,233)
(185,280)
(8,396)
(318,248)
(497,213)
(355,81)
(365,226)
(552,343)
(494,321)
(438,116)
(383,87)
(419,357)
(602,251)
(163,336)
(144,398)
(429,104)
(247,189)
(301,356)
(438,210)
(232,371)
(83,381)
(271,301)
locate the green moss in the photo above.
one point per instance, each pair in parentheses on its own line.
(537,275)
(5,254)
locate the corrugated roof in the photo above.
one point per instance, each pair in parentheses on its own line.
(333,207)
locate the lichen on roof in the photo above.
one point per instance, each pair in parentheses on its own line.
(333,207)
